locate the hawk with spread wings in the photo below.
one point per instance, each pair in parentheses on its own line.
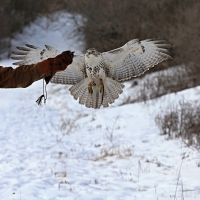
(95,77)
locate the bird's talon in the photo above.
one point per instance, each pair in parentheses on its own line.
(101,86)
(90,90)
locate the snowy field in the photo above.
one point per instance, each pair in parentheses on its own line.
(64,151)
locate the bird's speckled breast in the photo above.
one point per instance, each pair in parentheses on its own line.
(95,66)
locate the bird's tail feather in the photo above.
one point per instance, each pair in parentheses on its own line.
(111,91)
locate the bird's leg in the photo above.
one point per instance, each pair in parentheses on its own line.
(101,86)
(90,90)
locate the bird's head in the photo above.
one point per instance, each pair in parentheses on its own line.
(92,51)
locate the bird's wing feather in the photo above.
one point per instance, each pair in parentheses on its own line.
(74,72)
(31,54)
(135,57)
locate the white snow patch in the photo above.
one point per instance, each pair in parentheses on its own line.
(63,150)
(58,30)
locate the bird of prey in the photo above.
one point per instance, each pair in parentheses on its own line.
(95,77)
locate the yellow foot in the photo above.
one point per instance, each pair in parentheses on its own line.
(90,90)
(101,86)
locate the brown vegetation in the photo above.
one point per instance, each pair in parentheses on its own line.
(163,82)
(111,23)
(182,120)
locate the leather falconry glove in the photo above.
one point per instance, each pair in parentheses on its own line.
(50,66)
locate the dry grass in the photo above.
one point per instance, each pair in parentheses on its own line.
(121,149)
(182,120)
(167,81)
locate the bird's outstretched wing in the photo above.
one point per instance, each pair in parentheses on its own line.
(31,54)
(74,72)
(135,57)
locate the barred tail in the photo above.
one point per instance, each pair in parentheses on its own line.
(111,91)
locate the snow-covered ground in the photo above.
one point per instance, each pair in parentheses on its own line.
(64,151)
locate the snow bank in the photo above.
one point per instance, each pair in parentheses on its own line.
(63,150)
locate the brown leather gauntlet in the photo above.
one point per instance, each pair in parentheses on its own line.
(49,67)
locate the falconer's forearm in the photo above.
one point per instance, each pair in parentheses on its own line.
(22,76)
